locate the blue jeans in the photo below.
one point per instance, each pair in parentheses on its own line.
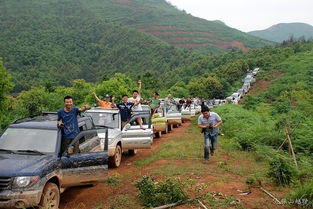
(210,144)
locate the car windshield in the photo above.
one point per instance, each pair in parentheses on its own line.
(110,120)
(26,139)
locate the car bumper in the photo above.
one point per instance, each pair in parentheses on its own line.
(174,121)
(19,199)
(111,150)
(159,127)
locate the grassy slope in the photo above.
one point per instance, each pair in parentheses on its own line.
(182,157)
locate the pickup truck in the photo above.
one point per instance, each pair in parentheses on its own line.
(126,139)
(174,117)
(158,120)
(33,168)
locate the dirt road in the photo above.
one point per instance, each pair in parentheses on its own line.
(87,197)
(225,174)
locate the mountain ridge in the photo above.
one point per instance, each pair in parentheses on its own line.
(283,31)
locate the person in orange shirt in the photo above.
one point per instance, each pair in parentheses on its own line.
(106,104)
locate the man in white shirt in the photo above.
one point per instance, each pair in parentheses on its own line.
(209,122)
(137,100)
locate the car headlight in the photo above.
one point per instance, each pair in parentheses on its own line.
(25,181)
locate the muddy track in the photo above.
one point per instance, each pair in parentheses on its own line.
(89,196)
(220,180)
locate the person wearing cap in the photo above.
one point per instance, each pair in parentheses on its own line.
(106,104)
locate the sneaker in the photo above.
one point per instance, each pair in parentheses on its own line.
(212,152)
(206,161)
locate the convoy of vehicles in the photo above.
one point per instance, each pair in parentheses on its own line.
(37,170)
(248,81)
(126,139)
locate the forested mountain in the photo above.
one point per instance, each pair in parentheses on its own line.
(57,41)
(161,19)
(284,31)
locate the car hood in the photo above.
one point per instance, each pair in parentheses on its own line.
(19,165)
(113,133)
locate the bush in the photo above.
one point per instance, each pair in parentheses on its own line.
(302,196)
(281,171)
(160,193)
(246,144)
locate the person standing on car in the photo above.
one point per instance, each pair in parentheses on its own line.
(125,108)
(136,99)
(209,122)
(106,104)
(67,121)
(154,103)
(169,102)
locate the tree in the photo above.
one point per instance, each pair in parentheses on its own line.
(6,85)
(179,90)
(205,87)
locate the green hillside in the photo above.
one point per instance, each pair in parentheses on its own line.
(159,18)
(284,31)
(61,40)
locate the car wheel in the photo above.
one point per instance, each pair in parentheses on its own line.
(50,197)
(158,134)
(170,127)
(115,160)
(132,152)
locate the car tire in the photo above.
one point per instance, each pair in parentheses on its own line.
(170,127)
(50,198)
(115,161)
(158,134)
(132,152)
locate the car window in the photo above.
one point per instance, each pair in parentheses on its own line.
(29,139)
(107,119)
(89,124)
(91,143)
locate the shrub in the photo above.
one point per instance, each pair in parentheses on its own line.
(246,144)
(114,179)
(302,196)
(160,193)
(281,171)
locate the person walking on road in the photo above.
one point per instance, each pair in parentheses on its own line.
(67,121)
(209,122)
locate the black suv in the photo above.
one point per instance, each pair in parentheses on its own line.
(34,170)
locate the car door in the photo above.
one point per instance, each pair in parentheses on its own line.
(133,137)
(87,167)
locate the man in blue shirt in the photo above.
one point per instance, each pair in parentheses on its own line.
(67,121)
(125,109)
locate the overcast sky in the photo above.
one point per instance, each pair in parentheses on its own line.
(248,15)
